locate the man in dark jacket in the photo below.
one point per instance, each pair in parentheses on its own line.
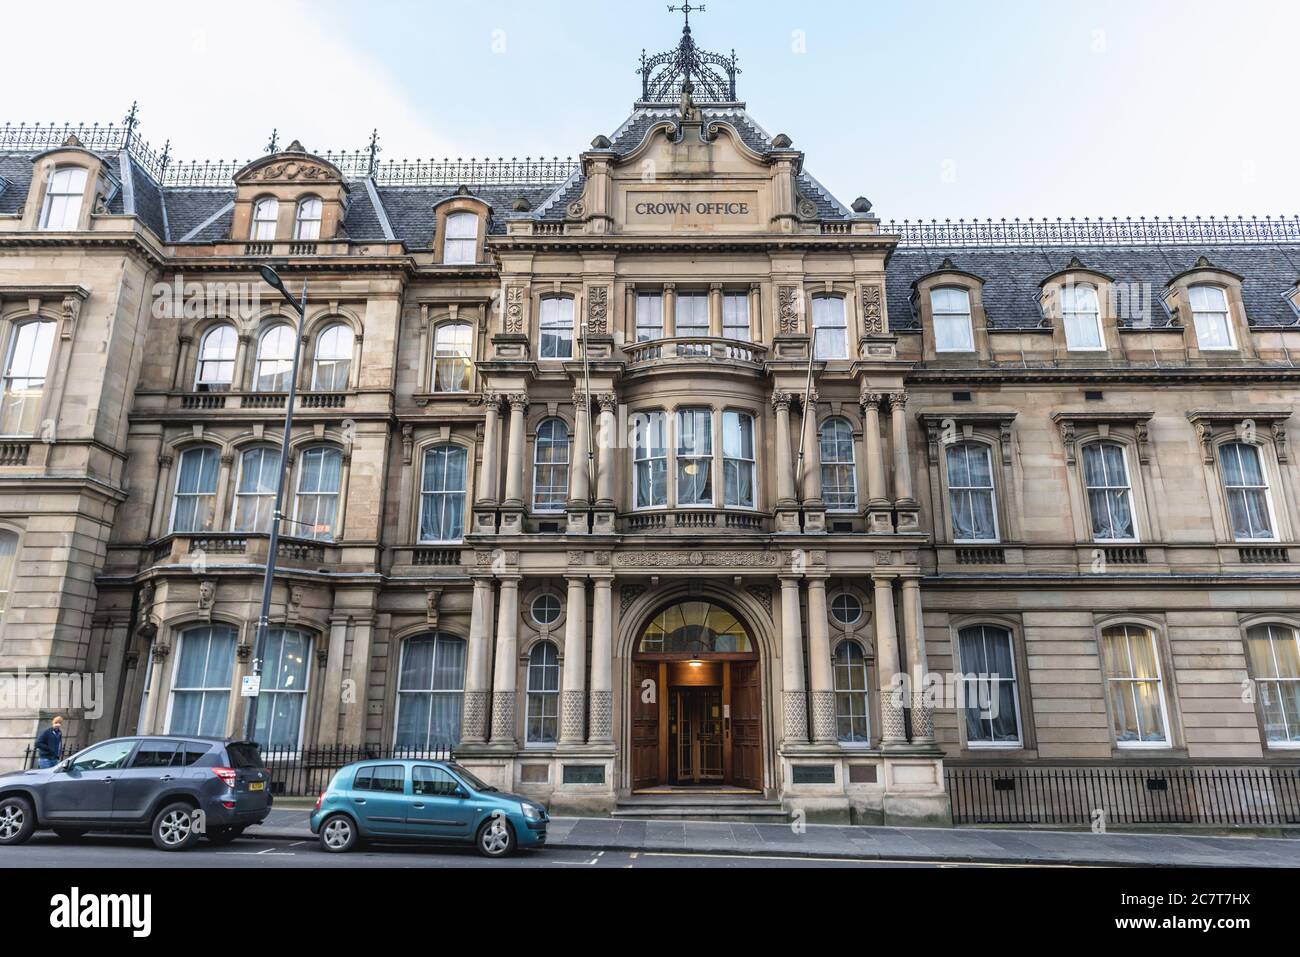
(49,744)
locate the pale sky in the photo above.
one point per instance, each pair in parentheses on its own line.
(932,108)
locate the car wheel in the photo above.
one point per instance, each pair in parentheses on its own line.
(70,833)
(221,836)
(338,834)
(173,828)
(17,820)
(496,838)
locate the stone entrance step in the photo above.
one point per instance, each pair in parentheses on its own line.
(697,805)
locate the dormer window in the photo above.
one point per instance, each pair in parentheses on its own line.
(460,244)
(266,215)
(1210,317)
(307,226)
(950,309)
(63,198)
(1081,315)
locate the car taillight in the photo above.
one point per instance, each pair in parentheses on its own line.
(319,799)
(227,775)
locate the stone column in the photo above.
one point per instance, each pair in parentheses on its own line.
(893,732)
(180,383)
(795,698)
(579,475)
(812,456)
(879,518)
(917,662)
(607,450)
(715,310)
(755,313)
(600,725)
(670,310)
(902,462)
(515,457)
(503,681)
(784,470)
(573,699)
(162,496)
(474,715)
(332,691)
(354,720)
(488,472)
(155,721)
(821,676)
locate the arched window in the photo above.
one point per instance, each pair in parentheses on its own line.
(1246,488)
(695,628)
(992,705)
(1274,652)
(266,216)
(31,346)
(282,704)
(259,469)
(194,507)
(216,370)
(430,692)
(1081,314)
(542,717)
(320,475)
(970,490)
(306,226)
(1137,700)
(830,328)
(333,360)
(852,719)
(451,357)
(551,467)
(442,496)
(839,466)
(200,695)
(1210,317)
(737,459)
(63,198)
(460,242)
(556,327)
(950,311)
(8,551)
(650,460)
(1110,497)
(275,360)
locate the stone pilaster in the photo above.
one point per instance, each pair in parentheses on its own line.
(792,677)
(512,507)
(474,726)
(880,519)
(573,698)
(821,676)
(917,663)
(893,725)
(787,514)
(908,511)
(503,679)
(600,724)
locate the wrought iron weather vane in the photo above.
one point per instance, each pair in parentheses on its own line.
(711,77)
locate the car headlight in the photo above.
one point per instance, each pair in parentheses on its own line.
(532,812)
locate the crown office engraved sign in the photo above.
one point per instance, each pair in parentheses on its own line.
(693,208)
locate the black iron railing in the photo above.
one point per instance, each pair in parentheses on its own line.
(307,772)
(29,755)
(1111,796)
(1170,231)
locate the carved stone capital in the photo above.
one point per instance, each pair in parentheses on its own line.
(871,400)
(781,401)
(518,401)
(898,401)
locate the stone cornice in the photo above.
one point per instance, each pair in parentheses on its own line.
(1102,375)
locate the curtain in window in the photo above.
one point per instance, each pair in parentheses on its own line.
(1106,475)
(196,490)
(694,457)
(307,228)
(451,351)
(266,214)
(556,328)
(988,665)
(650,459)
(1247,491)
(259,469)
(852,719)
(430,693)
(1133,676)
(8,549)
(950,309)
(839,469)
(30,349)
(275,360)
(738,459)
(1082,316)
(543,707)
(551,467)
(461,243)
(830,328)
(1275,665)
(970,488)
(333,359)
(285,673)
(442,505)
(320,476)
(63,198)
(201,687)
(1210,317)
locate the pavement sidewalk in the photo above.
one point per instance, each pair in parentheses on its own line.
(886,843)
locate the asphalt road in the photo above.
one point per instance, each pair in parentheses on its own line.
(111,851)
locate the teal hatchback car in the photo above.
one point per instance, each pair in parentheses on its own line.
(435,802)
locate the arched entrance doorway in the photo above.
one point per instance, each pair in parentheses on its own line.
(696,700)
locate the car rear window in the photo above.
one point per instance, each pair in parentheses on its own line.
(189,753)
(390,778)
(154,754)
(244,755)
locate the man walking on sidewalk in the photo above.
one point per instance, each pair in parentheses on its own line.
(49,744)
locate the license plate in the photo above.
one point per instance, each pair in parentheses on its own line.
(257,786)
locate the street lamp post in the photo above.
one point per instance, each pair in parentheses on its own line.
(272,279)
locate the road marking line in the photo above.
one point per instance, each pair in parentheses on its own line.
(834,860)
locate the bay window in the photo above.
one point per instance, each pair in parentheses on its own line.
(650,460)
(735,317)
(738,459)
(692,318)
(649,316)
(200,695)
(695,457)
(282,705)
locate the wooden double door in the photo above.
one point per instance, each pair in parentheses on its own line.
(696,723)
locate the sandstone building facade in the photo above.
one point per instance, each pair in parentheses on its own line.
(651,470)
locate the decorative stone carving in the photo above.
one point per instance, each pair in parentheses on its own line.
(1280,442)
(1143,437)
(573,707)
(432,599)
(796,716)
(789,309)
(675,559)
(627,595)
(892,724)
(807,208)
(922,718)
(503,716)
(518,401)
(823,709)
(408,443)
(873,311)
(207,596)
(606,401)
(598,309)
(474,716)
(1004,440)
(870,400)
(515,310)
(602,713)
(898,401)
(1067,438)
(781,401)
(763,595)
(577,209)
(160,652)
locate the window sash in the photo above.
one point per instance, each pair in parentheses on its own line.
(951,315)
(275,353)
(542,706)
(556,328)
(451,357)
(442,496)
(255,491)
(1110,503)
(839,466)
(460,244)
(650,460)
(286,677)
(738,459)
(735,317)
(694,457)
(1135,687)
(333,360)
(194,502)
(431,692)
(692,319)
(200,692)
(1246,489)
(63,199)
(987,654)
(1081,315)
(852,697)
(320,478)
(1210,318)
(217,357)
(649,316)
(551,467)
(307,226)
(1274,652)
(266,215)
(31,346)
(972,494)
(830,328)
